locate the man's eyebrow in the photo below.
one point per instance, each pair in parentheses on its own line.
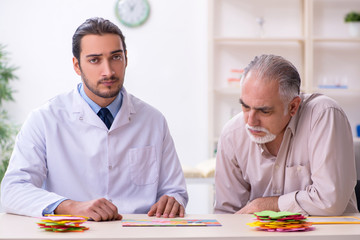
(93,55)
(242,103)
(265,108)
(116,51)
(98,55)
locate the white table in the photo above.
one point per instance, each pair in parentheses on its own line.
(234,227)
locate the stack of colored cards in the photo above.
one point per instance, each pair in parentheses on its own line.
(63,223)
(280,222)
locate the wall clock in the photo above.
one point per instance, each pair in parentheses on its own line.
(132,13)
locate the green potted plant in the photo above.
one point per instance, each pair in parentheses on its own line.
(7,128)
(352,19)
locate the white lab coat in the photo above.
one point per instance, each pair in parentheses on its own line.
(65,150)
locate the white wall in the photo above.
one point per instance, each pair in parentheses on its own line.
(167,63)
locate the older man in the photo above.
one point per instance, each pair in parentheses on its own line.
(285,151)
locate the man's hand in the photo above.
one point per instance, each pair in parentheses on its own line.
(167,207)
(260,204)
(98,209)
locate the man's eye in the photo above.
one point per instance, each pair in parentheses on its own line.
(245,108)
(265,111)
(117,57)
(93,60)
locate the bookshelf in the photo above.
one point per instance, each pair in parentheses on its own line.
(309,33)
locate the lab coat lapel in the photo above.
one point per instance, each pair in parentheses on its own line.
(83,112)
(123,117)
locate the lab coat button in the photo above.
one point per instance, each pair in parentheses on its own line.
(81,118)
(110,167)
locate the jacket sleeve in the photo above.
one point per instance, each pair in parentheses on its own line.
(332,165)
(171,179)
(21,187)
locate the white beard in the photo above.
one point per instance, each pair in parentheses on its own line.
(260,140)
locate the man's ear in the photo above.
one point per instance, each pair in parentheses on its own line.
(294,105)
(126,59)
(76,65)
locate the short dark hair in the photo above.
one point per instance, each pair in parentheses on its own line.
(97,26)
(276,68)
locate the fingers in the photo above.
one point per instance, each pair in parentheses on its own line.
(168,212)
(247,209)
(98,209)
(167,207)
(182,211)
(119,217)
(152,210)
(161,204)
(104,210)
(111,210)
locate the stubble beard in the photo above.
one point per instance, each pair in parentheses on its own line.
(94,90)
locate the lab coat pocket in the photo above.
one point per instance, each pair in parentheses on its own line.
(144,168)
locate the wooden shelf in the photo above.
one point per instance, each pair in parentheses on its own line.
(232,40)
(344,40)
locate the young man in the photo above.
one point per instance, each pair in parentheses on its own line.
(285,151)
(97,150)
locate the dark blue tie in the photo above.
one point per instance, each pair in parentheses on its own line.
(106,116)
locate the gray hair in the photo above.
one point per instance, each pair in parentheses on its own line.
(276,68)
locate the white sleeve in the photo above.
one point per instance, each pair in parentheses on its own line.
(172,181)
(21,187)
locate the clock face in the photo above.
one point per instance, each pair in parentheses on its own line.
(132,13)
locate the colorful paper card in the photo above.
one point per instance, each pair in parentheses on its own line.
(163,222)
(334,220)
(62,223)
(280,222)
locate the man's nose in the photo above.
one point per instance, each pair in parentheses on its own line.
(107,70)
(253,119)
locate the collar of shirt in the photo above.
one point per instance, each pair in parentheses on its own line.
(113,107)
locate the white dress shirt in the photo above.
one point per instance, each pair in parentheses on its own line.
(64,150)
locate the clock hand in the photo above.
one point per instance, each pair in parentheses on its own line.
(132,6)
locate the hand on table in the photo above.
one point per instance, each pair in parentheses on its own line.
(98,210)
(167,207)
(260,204)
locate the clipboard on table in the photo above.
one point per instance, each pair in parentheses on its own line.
(334,220)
